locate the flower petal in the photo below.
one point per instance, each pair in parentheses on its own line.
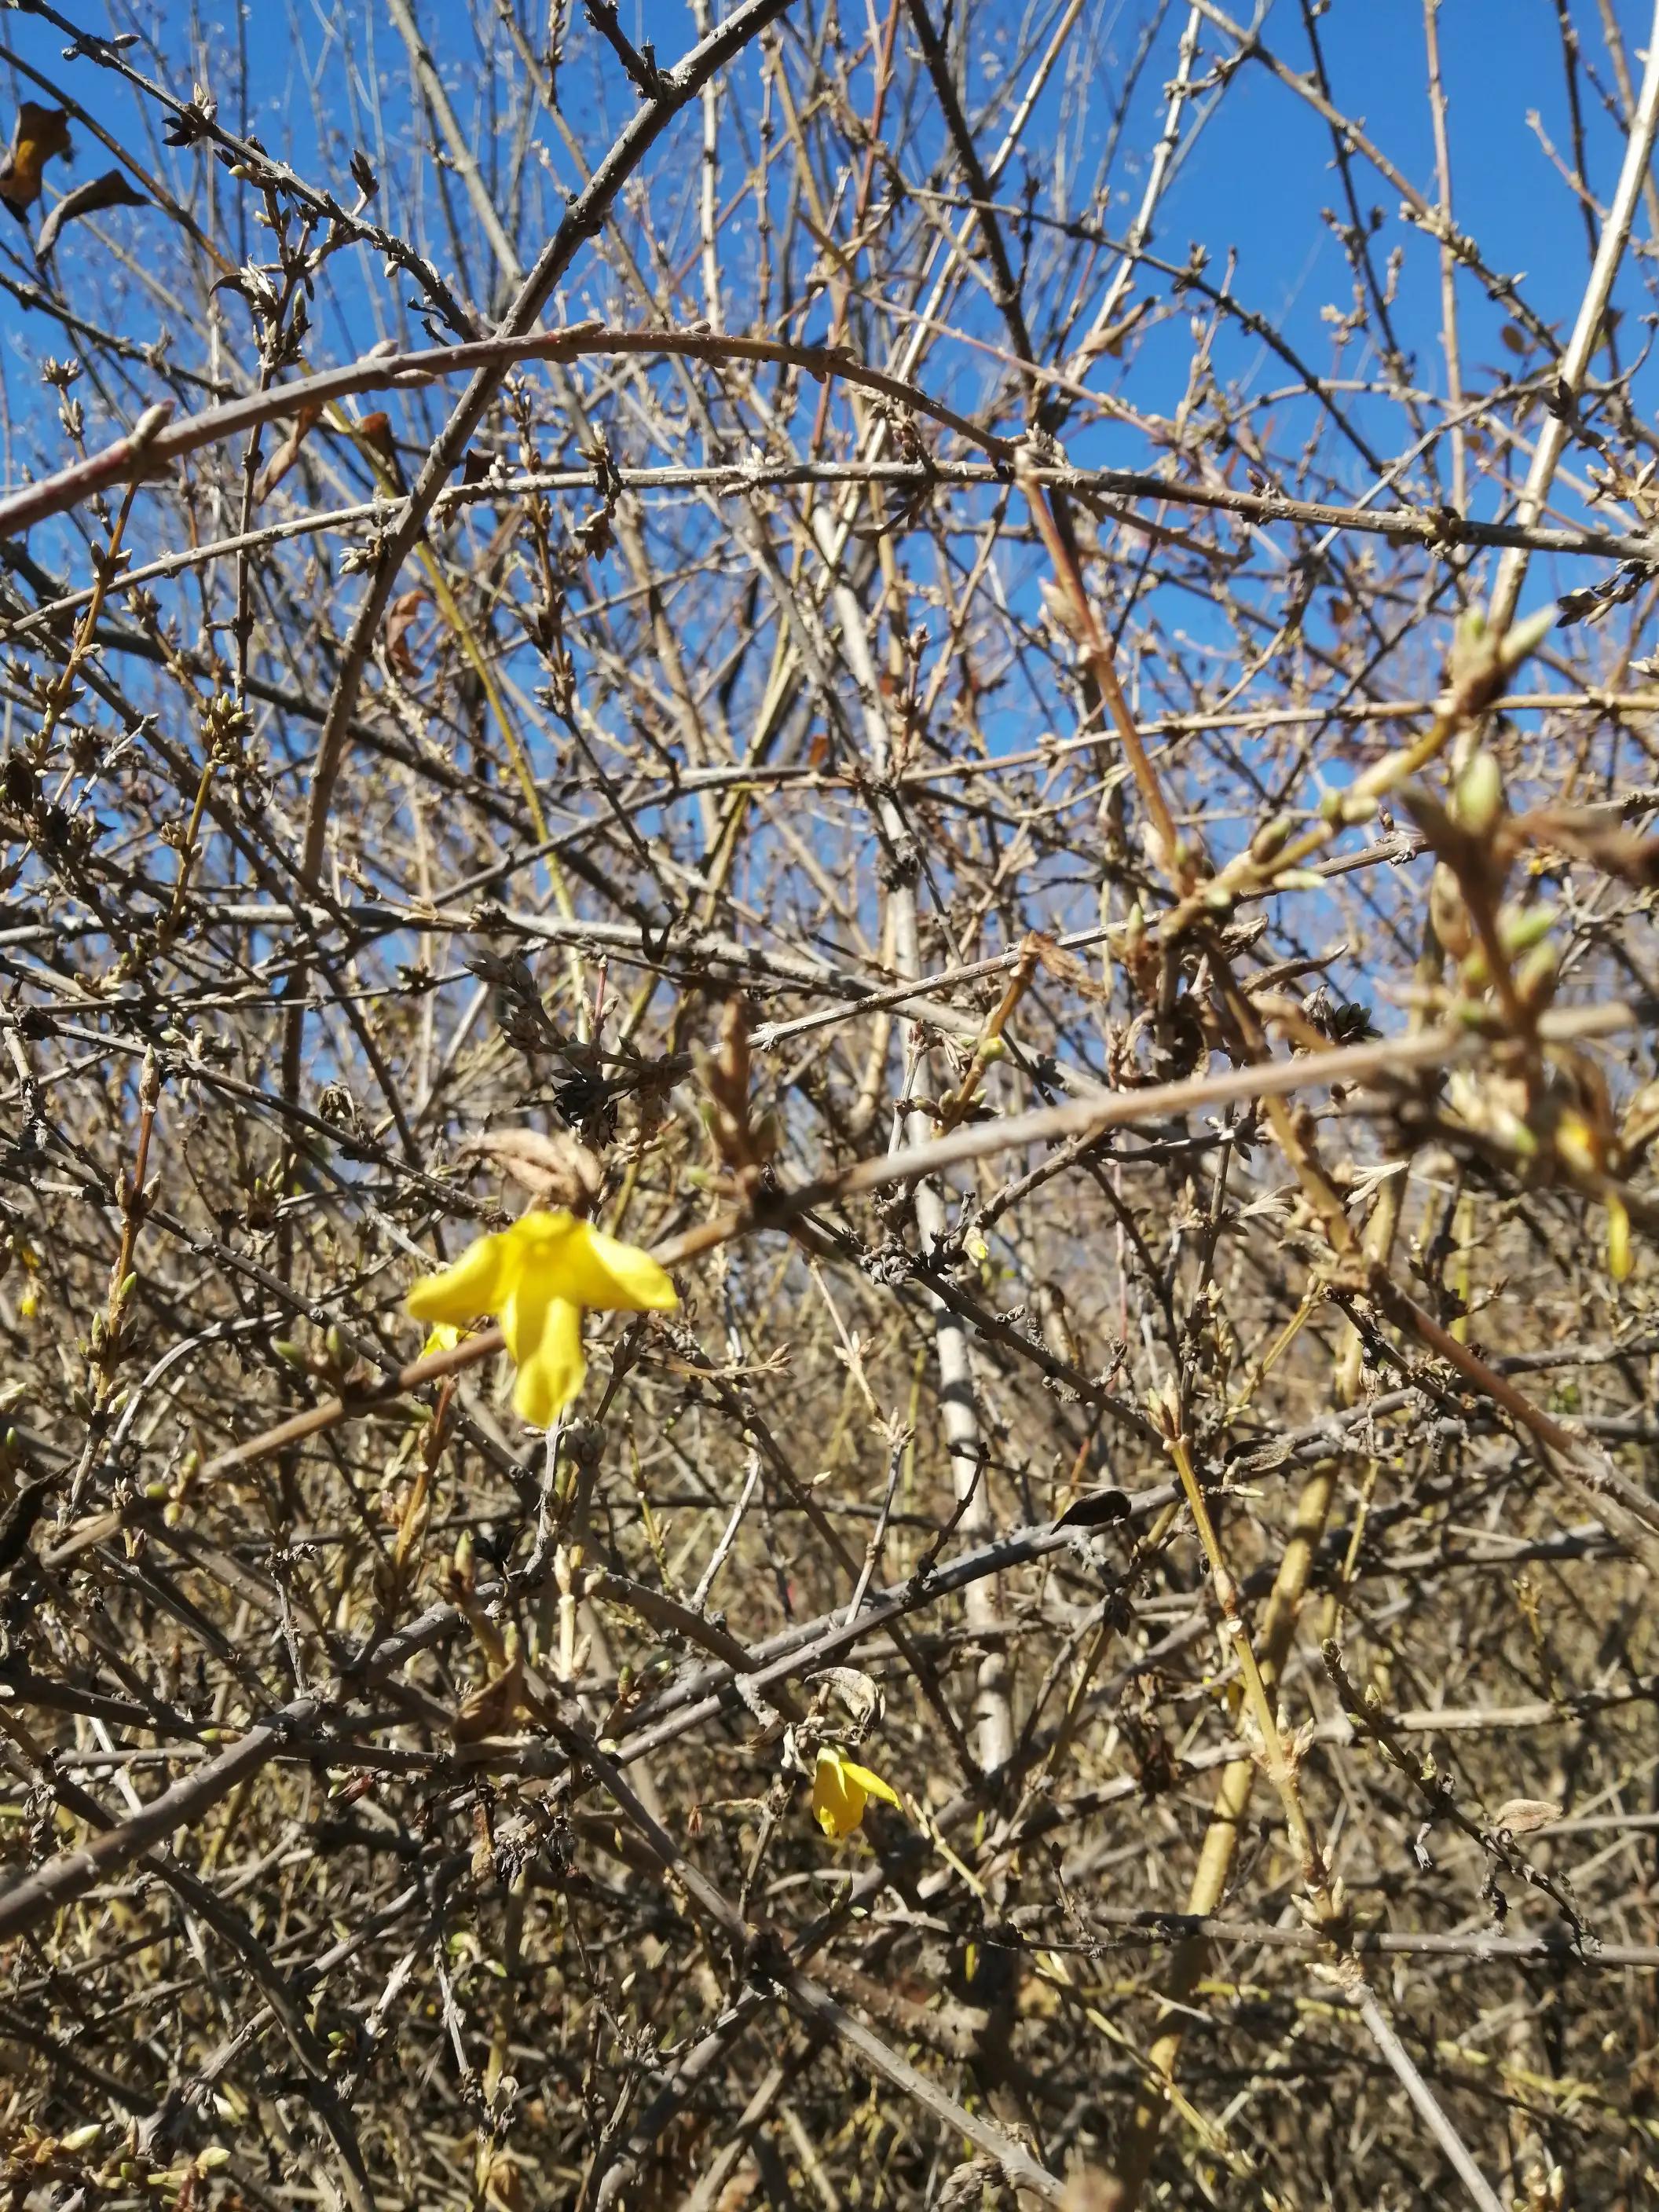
(460,1293)
(551,1365)
(872,1784)
(601,1271)
(838,1801)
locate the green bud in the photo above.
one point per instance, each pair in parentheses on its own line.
(1480,796)
(1524,640)
(1520,928)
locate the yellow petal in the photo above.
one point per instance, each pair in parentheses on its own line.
(1576,1141)
(443,1336)
(538,1239)
(1621,1261)
(872,1784)
(552,1363)
(601,1271)
(523,1312)
(838,1799)
(460,1293)
(537,1276)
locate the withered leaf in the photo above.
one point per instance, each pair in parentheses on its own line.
(37,135)
(374,431)
(492,1708)
(554,1168)
(400,618)
(1090,1512)
(111,190)
(1520,1815)
(285,455)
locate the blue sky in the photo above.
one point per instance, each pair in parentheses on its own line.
(1252,184)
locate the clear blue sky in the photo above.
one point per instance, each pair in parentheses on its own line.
(1254,185)
(1255,182)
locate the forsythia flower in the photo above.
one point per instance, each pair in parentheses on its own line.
(841,1789)
(537,1277)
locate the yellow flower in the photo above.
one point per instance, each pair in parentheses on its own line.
(1621,1262)
(840,1790)
(537,1277)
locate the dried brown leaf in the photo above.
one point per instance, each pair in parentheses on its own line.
(374,432)
(400,618)
(285,455)
(111,190)
(1520,1815)
(492,1710)
(555,1169)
